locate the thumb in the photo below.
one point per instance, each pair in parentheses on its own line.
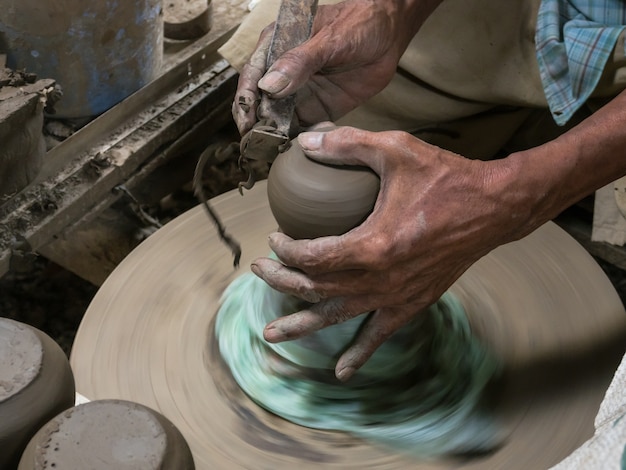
(293,69)
(341,146)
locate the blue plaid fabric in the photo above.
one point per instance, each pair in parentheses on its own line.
(574,40)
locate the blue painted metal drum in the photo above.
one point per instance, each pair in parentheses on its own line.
(99,51)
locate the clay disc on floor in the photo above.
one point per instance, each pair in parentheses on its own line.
(543,305)
(108,434)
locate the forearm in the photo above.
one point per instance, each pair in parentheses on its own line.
(552,177)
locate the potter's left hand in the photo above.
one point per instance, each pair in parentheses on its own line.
(352,54)
(436,214)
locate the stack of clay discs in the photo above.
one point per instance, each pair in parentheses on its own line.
(36,383)
(40,428)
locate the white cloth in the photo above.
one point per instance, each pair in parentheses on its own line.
(609,224)
(606,449)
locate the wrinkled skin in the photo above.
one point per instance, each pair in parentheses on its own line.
(436,214)
(410,250)
(350,41)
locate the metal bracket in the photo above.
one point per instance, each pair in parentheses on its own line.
(263,143)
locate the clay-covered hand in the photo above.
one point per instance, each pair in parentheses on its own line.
(436,214)
(352,54)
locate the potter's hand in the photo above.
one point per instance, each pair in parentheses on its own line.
(436,214)
(352,55)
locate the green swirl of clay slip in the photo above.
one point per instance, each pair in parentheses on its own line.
(421,393)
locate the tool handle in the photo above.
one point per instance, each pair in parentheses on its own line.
(293,27)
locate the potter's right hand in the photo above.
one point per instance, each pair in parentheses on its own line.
(435,215)
(352,54)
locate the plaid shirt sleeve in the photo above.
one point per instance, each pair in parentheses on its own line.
(574,40)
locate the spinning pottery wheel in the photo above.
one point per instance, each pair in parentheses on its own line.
(542,304)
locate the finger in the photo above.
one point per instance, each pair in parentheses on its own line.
(351,146)
(375,331)
(320,255)
(294,68)
(315,288)
(356,249)
(244,110)
(286,280)
(248,96)
(319,316)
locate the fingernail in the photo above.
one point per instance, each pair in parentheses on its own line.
(273,82)
(271,334)
(255,269)
(271,240)
(311,140)
(345,373)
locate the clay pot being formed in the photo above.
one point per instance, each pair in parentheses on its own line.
(311,199)
(36,383)
(107,434)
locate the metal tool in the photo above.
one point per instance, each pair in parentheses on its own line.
(271,135)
